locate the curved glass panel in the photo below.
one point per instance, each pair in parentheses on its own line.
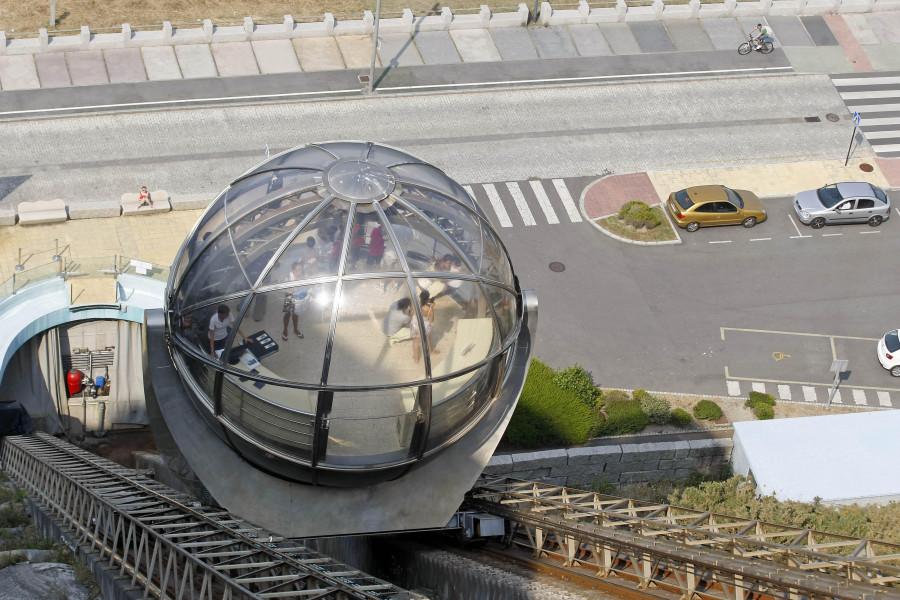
(279,314)
(390,157)
(317,248)
(346,149)
(453,413)
(204,376)
(459,224)
(191,329)
(371,428)
(257,190)
(358,180)
(504,303)
(427,175)
(217,272)
(494,262)
(371,248)
(372,339)
(423,246)
(463,333)
(284,428)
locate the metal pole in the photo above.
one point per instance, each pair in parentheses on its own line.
(851,145)
(374,47)
(834,386)
(52,13)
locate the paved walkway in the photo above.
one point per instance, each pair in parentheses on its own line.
(825,44)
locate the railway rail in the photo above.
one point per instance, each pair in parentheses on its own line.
(169,545)
(694,553)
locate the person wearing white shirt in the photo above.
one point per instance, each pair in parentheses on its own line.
(219,326)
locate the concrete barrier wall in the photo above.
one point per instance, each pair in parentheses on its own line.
(618,464)
(207,32)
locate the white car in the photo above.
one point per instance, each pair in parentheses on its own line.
(889,352)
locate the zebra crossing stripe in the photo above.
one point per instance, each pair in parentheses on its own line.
(538,188)
(566,198)
(840,82)
(734,388)
(837,397)
(859,397)
(809,393)
(519,199)
(494,197)
(784,392)
(884,399)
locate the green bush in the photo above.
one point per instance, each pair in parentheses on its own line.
(632,207)
(681,417)
(623,416)
(707,409)
(763,405)
(547,414)
(615,395)
(578,381)
(656,408)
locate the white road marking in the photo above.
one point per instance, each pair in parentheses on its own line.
(797,228)
(837,397)
(758,387)
(784,392)
(860,81)
(884,398)
(865,232)
(869,94)
(722,242)
(566,199)
(809,393)
(734,388)
(859,397)
(538,188)
(759,239)
(494,197)
(831,234)
(519,199)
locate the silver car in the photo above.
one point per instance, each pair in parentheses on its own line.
(849,202)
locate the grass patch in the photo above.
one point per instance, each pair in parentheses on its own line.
(662,233)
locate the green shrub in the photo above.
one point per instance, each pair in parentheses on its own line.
(547,414)
(656,408)
(707,409)
(763,405)
(623,416)
(578,381)
(681,417)
(632,207)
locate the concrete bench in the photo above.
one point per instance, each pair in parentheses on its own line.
(131,201)
(42,211)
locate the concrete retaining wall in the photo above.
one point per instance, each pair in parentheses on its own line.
(618,464)
(207,32)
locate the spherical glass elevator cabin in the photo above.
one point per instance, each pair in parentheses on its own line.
(341,312)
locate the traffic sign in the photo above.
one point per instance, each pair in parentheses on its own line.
(856,119)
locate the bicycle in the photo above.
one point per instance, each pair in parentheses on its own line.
(750,45)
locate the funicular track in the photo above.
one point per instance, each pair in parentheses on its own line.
(166,543)
(693,553)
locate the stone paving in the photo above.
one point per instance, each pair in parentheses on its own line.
(830,43)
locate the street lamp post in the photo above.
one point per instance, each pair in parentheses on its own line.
(374,46)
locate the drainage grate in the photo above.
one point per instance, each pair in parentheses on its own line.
(812,119)
(832,117)
(557,267)
(866,168)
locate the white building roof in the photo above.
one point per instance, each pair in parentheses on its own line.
(841,459)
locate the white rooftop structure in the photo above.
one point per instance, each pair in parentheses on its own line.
(842,459)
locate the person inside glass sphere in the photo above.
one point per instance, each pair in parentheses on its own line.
(296,301)
(396,325)
(219,327)
(427,303)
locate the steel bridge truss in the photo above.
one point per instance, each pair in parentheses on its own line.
(169,545)
(698,554)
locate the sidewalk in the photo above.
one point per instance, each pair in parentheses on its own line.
(825,44)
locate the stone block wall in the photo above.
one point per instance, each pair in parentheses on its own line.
(618,464)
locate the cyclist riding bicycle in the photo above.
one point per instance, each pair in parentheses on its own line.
(763,36)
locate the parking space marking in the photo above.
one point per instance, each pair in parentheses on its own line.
(734,388)
(757,386)
(760,239)
(722,331)
(897,209)
(859,397)
(865,232)
(799,235)
(809,393)
(884,399)
(784,392)
(721,242)
(831,234)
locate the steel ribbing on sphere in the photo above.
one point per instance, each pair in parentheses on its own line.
(165,543)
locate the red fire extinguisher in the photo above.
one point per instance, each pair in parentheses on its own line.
(73,381)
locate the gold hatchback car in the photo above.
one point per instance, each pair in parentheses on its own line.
(710,205)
